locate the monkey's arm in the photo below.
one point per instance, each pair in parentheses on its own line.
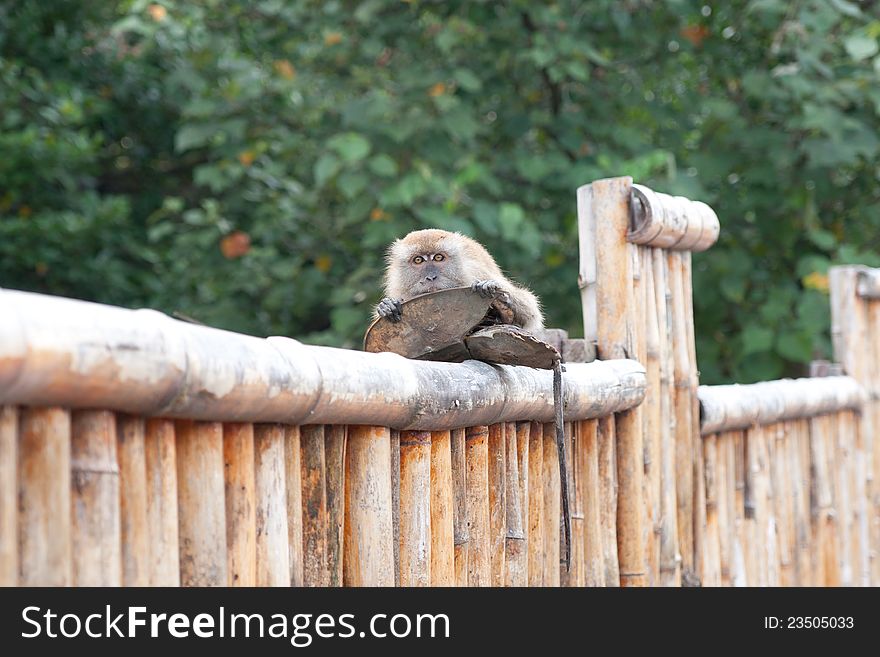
(523,303)
(390,308)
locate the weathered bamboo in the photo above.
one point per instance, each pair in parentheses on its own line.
(293,473)
(134,527)
(334,480)
(461,535)
(162,511)
(670,558)
(652,415)
(799,467)
(741,515)
(239,486)
(442,503)
(671,222)
(8,496)
(314,499)
(552,507)
(44,525)
(415,508)
(536,505)
(477,481)
(607,459)
(576,575)
(395,501)
(594,570)
(96,542)
(712,566)
(182,370)
(729,407)
(725,487)
(517,554)
(783,501)
(368,544)
(497,503)
(270,487)
(201,497)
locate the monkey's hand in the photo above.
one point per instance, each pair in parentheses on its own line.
(390,308)
(489,289)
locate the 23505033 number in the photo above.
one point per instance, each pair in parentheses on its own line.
(820,622)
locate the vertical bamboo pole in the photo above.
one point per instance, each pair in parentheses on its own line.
(684,440)
(415,508)
(536,504)
(293,473)
(652,419)
(477,460)
(160,447)
(670,559)
(270,487)
(442,503)
(8,496)
(741,572)
(552,506)
(594,567)
(241,538)
(395,501)
(314,496)
(44,523)
(800,471)
(859,484)
(497,503)
(516,556)
(522,430)
(783,501)
(771,523)
(368,544)
(724,499)
(201,513)
(134,526)
(577,575)
(712,565)
(334,480)
(96,544)
(461,535)
(868,431)
(608,493)
(839,453)
(751,542)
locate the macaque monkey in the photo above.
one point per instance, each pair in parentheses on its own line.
(430,260)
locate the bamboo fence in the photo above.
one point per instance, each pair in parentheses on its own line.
(140,450)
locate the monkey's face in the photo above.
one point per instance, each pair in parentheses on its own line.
(430,272)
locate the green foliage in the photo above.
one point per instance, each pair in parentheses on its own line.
(246,163)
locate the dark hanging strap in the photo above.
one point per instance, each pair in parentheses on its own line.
(563,461)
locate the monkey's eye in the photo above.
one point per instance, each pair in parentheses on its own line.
(438,257)
(418,260)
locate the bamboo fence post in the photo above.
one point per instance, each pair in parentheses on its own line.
(461,536)
(497,503)
(515,555)
(368,541)
(552,506)
(684,441)
(201,513)
(334,462)
(293,473)
(160,447)
(270,487)
(594,567)
(8,496)
(96,541)
(783,500)
(134,527)
(712,564)
(608,494)
(442,512)
(725,487)
(415,508)
(577,575)
(395,501)
(868,430)
(477,460)
(861,499)
(314,496)
(44,525)
(742,575)
(800,470)
(239,486)
(652,418)
(536,505)
(771,523)
(670,558)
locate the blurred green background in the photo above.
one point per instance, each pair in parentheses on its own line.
(246,163)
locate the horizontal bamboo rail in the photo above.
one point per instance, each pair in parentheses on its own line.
(63,352)
(731,407)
